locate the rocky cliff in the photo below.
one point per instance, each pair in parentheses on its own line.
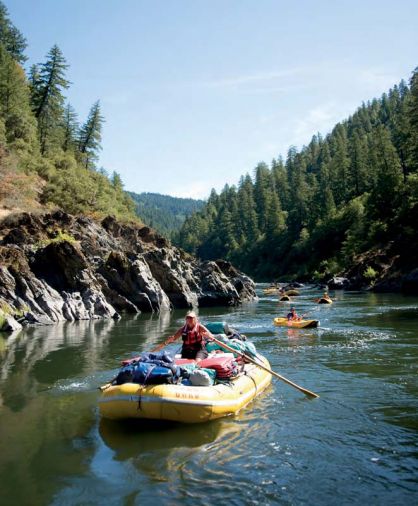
(56,267)
(389,268)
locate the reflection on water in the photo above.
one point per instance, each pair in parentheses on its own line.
(24,349)
(359,438)
(132,438)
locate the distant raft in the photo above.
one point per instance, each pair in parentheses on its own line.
(284,298)
(296,324)
(293,293)
(272,290)
(324,300)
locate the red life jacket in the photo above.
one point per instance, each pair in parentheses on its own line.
(192,338)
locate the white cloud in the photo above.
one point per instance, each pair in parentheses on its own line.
(255,78)
(308,76)
(191,189)
(377,78)
(321,118)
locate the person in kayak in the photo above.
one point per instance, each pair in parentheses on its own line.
(193,334)
(292,316)
(325,296)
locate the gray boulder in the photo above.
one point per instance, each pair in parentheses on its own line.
(338,283)
(10,324)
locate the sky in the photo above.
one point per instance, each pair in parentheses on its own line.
(195,93)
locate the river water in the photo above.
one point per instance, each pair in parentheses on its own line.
(356,444)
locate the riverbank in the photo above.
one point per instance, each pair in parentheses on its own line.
(56,267)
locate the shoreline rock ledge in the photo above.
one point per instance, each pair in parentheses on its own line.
(56,267)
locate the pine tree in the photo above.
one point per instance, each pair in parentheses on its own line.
(357,177)
(262,193)
(34,78)
(280,180)
(412,112)
(226,233)
(340,164)
(11,38)
(249,213)
(399,124)
(70,129)
(385,196)
(298,191)
(116,181)
(48,99)
(19,124)
(275,220)
(90,136)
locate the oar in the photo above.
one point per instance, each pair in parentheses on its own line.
(312,310)
(306,314)
(279,376)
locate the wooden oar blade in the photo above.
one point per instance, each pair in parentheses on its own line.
(273,373)
(313,395)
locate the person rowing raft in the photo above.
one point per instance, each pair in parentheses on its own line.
(193,334)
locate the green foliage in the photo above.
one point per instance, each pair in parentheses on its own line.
(412,111)
(370,273)
(7,310)
(43,152)
(311,215)
(70,129)
(164,213)
(48,99)
(15,113)
(81,191)
(10,37)
(90,136)
(58,236)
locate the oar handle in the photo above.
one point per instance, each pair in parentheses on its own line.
(279,376)
(163,345)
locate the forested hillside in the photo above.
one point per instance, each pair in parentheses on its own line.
(164,213)
(316,213)
(47,158)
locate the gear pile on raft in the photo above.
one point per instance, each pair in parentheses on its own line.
(158,368)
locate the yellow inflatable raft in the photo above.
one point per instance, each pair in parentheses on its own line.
(293,293)
(180,403)
(270,291)
(324,300)
(296,324)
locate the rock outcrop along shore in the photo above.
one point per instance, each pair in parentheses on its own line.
(56,267)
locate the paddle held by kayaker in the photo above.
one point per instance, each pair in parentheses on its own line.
(193,334)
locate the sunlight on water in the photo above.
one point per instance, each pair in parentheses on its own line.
(359,440)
